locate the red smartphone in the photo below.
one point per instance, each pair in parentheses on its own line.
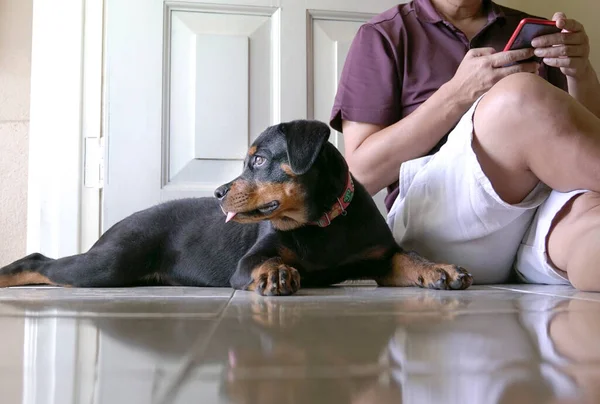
(527,30)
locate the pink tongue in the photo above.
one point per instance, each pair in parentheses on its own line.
(230,215)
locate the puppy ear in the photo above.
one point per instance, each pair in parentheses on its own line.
(305,140)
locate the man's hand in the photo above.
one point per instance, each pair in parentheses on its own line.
(482,68)
(569,50)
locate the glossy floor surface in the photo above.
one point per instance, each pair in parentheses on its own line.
(356,344)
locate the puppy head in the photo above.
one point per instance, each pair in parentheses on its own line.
(273,184)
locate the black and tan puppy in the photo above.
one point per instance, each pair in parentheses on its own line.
(294,216)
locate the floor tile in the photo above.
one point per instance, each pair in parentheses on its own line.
(547,290)
(142,344)
(349,344)
(118,302)
(56,293)
(366,301)
(9,379)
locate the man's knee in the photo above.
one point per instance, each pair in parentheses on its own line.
(522,87)
(520,112)
(516,98)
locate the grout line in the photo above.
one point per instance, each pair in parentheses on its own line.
(539,293)
(15,121)
(194,355)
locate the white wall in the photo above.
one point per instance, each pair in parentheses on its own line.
(15,71)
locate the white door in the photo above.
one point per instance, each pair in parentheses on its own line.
(190,84)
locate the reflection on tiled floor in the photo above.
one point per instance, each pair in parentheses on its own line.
(360,344)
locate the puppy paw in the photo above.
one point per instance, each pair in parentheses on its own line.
(445,277)
(275,279)
(411,269)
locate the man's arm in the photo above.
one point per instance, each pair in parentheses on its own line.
(586,90)
(569,50)
(375,153)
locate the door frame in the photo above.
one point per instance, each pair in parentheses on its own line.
(63,205)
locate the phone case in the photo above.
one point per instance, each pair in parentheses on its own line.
(527,30)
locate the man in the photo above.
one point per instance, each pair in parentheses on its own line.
(499,161)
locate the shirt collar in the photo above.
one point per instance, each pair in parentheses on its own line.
(426,12)
(494,11)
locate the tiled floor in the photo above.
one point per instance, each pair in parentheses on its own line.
(360,344)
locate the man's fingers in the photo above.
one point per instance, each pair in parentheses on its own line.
(572,63)
(506,58)
(572,26)
(478,52)
(563,51)
(529,67)
(560,38)
(559,16)
(565,23)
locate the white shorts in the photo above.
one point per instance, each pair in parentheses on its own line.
(448,211)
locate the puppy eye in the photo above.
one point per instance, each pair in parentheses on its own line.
(258,161)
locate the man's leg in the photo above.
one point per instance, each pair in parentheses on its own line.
(526,130)
(574,241)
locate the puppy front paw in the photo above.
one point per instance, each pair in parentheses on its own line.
(273,278)
(411,269)
(445,277)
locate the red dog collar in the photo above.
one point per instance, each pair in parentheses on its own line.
(340,207)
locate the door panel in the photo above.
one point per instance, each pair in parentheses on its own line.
(219,94)
(189,85)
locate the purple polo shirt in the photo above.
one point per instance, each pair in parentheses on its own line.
(404,55)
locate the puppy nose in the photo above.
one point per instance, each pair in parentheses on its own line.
(222,191)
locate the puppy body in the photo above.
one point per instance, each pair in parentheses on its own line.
(296,217)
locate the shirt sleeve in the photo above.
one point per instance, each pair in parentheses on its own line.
(369,90)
